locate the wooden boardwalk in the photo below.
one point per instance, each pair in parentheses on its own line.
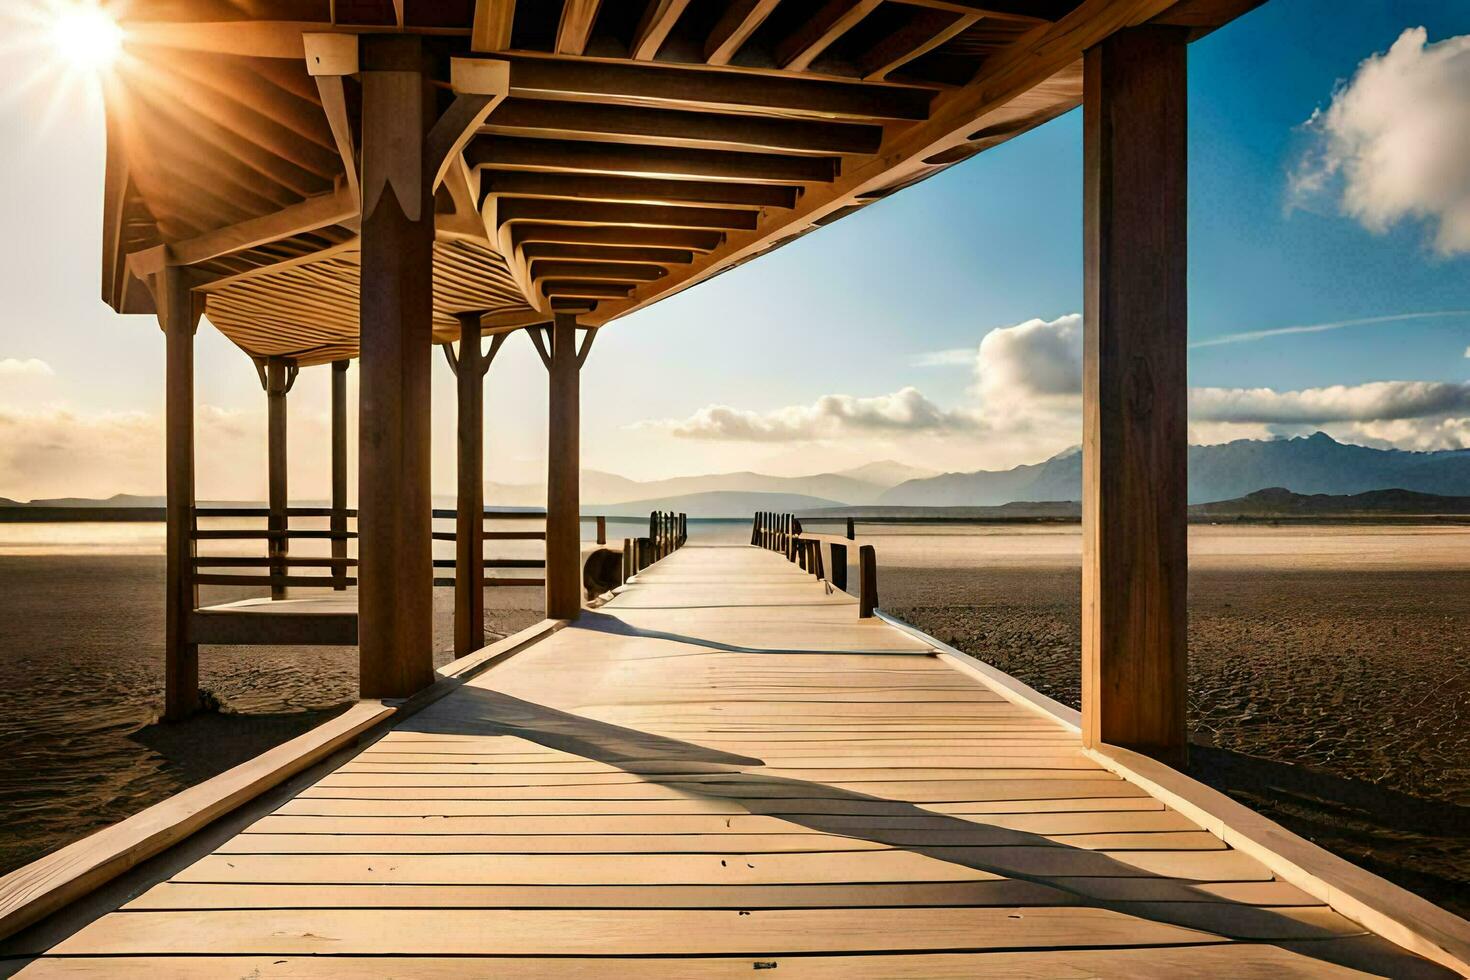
(721,770)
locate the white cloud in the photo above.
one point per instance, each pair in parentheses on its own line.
(954,357)
(1025,404)
(31,367)
(829,417)
(1376,401)
(1395,141)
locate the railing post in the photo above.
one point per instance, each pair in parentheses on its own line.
(867,581)
(851,536)
(602,529)
(338,523)
(626,564)
(839,566)
(277,378)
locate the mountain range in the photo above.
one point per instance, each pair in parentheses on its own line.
(1316,464)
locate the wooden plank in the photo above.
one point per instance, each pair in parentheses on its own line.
(998,892)
(636,190)
(627,932)
(1246,962)
(1135,562)
(617,159)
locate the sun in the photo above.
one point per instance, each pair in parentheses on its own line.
(86,37)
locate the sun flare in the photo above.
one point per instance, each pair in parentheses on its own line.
(86,37)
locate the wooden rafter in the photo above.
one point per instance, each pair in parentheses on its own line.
(659,17)
(575,27)
(662,127)
(490,30)
(733,29)
(635,190)
(926,31)
(831,20)
(650,161)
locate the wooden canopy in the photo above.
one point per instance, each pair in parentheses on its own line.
(642,145)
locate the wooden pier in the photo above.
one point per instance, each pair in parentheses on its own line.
(721,769)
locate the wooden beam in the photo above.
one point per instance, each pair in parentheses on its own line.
(309,215)
(575,26)
(659,17)
(576,289)
(617,236)
(830,21)
(338,520)
(927,30)
(395,570)
(491,28)
(663,127)
(733,29)
(1024,11)
(635,190)
(178,314)
(469,527)
(509,153)
(1134,429)
(596,271)
(607,253)
(563,463)
(694,88)
(598,213)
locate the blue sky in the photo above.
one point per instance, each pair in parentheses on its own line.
(730,374)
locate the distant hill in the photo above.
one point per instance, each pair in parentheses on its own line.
(862,485)
(1280,502)
(1308,465)
(713,503)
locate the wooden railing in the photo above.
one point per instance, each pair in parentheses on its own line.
(783,533)
(278,563)
(667,533)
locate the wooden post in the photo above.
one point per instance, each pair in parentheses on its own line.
(602,529)
(867,581)
(839,566)
(1134,566)
(469,525)
(563,494)
(338,523)
(395,564)
(628,570)
(179,318)
(279,375)
(851,535)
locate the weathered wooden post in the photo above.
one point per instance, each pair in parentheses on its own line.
(601,529)
(867,581)
(851,535)
(277,375)
(1134,567)
(627,563)
(395,570)
(338,521)
(839,566)
(469,367)
(178,315)
(563,477)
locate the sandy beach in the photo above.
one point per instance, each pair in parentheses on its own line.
(1329,680)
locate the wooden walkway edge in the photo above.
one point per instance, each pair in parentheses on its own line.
(724,769)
